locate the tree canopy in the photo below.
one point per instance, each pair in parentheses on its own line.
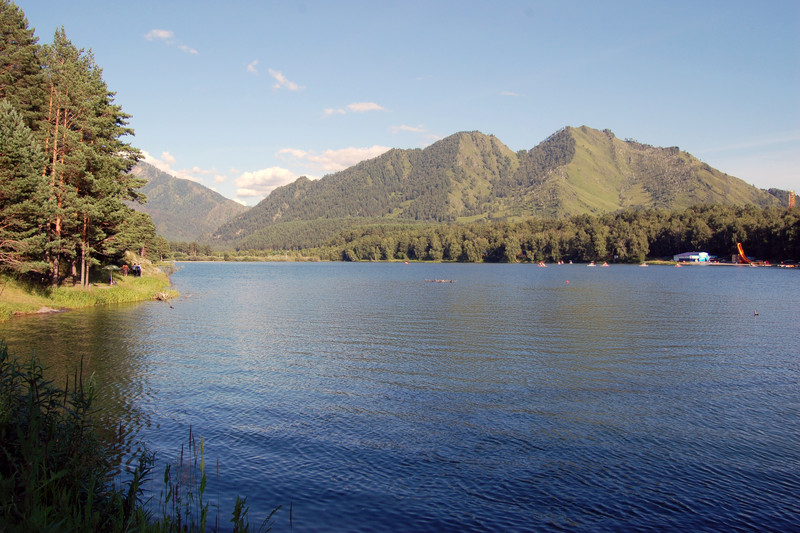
(65,159)
(627,236)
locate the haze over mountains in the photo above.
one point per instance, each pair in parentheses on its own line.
(468,176)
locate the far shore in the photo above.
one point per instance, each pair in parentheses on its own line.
(653,262)
(17,298)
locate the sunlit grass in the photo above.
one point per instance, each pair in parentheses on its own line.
(20,297)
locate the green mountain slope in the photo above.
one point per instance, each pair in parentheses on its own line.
(472,176)
(608,174)
(183,210)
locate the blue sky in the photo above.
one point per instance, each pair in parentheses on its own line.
(246,96)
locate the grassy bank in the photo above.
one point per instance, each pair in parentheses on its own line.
(18,297)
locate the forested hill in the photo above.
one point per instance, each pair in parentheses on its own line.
(403,184)
(472,176)
(183,210)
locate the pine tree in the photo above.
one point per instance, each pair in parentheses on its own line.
(21,194)
(88,159)
(21,81)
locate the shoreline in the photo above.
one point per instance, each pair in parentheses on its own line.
(21,299)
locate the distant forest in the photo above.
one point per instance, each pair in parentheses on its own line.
(634,235)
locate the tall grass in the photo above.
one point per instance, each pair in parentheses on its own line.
(126,289)
(55,473)
(52,465)
(182,503)
(18,296)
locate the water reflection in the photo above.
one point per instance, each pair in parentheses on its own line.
(508,400)
(102,344)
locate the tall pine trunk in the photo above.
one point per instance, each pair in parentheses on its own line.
(84,252)
(55,255)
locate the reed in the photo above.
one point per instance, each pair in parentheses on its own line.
(56,473)
(183,504)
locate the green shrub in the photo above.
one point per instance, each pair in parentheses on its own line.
(53,468)
(55,473)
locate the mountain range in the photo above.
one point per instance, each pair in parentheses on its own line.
(183,210)
(470,176)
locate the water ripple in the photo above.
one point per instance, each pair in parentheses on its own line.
(628,399)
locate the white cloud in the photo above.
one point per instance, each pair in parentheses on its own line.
(334,160)
(207,171)
(168,37)
(168,158)
(252,67)
(165,165)
(330,112)
(160,35)
(220,178)
(282,82)
(262,182)
(412,129)
(361,107)
(294,152)
(357,107)
(509,93)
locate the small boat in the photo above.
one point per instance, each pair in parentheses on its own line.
(643,264)
(591,264)
(604,264)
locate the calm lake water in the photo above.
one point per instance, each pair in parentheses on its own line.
(516,398)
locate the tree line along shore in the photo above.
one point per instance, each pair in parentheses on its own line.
(629,236)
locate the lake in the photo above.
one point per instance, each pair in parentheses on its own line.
(516,398)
